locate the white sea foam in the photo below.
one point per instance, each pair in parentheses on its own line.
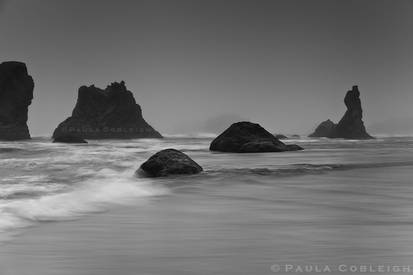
(50,182)
(93,195)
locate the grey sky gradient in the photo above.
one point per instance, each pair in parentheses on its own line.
(285,64)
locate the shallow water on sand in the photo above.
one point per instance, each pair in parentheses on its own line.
(336,204)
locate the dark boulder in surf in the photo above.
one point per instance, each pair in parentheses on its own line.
(16,94)
(325,129)
(169,162)
(111,113)
(69,139)
(351,125)
(247,137)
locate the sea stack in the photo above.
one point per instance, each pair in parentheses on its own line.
(16,94)
(351,126)
(111,113)
(247,137)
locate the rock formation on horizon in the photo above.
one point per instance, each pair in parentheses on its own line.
(351,125)
(247,137)
(325,129)
(111,113)
(16,94)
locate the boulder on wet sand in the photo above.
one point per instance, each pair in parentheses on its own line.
(16,94)
(247,137)
(351,125)
(169,162)
(69,139)
(111,113)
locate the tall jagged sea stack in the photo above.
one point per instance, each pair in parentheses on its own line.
(16,94)
(351,125)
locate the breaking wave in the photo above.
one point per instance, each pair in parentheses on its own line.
(34,199)
(44,181)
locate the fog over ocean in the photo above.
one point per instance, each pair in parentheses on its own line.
(285,64)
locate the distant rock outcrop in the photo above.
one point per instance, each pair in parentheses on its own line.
(325,129)
(169,162)
(16,94)
(247,137)
(105,114)
(351,126)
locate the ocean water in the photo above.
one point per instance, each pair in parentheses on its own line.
(81,209)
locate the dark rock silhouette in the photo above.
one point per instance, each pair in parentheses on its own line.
(325,129)
(69,139)
(247,137)
(169,162)
(351,126)
(16,94)
(103,114)
(281,136)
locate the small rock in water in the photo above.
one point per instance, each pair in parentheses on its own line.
(169,162)
(294,147)
(69,139)
(281,136)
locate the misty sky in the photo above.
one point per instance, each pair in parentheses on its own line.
(285,64)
